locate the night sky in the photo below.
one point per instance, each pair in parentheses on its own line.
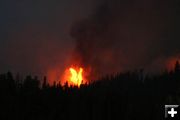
(44,37)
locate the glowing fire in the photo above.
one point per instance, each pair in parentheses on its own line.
(76,76)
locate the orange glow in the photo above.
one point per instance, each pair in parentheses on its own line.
(171,62)
(76,76)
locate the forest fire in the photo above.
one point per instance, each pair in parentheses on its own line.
(75,76)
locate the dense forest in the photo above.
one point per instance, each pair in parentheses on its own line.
(124,96)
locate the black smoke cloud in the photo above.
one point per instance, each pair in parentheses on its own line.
(38,37)
(128,34)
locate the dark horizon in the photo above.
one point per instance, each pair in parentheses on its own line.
(125,96)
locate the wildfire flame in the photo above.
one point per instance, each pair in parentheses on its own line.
(76,76)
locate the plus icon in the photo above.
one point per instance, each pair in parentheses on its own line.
(172,112)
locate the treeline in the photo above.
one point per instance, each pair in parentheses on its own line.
(125,96)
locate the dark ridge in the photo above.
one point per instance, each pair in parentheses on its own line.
(125,96)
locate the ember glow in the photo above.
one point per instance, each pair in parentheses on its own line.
(170,63)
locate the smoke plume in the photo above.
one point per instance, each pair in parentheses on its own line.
(126,34)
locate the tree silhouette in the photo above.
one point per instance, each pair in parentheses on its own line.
(125,96)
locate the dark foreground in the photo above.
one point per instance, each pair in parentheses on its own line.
(125,96)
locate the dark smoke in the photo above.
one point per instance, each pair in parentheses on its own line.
(109,35)
(127,34)
(34,35)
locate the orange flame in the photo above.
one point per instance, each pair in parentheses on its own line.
(76,76)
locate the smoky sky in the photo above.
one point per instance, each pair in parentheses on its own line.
(107,36)
(34,35)
(128,34)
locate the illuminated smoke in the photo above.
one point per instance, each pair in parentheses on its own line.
(127,35)
(118,35)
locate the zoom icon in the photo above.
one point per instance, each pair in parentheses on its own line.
(171,111)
